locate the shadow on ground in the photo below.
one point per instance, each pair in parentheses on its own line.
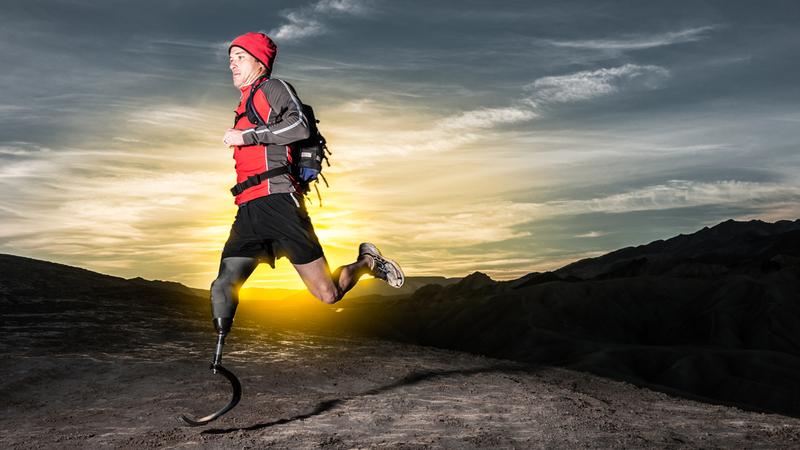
(408,380)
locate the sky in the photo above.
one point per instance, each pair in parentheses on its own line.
(505,137)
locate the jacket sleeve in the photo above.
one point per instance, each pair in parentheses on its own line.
(290,125)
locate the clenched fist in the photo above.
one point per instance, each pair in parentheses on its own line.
(233,137)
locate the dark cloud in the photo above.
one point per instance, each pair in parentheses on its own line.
(96,51)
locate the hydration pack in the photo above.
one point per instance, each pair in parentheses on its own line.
(307,154)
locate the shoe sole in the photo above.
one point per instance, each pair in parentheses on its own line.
(399,276)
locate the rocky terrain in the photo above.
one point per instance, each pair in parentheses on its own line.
(683,343)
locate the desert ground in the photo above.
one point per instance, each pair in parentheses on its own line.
(686,343)
(307,391)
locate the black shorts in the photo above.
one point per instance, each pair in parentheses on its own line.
(273,226)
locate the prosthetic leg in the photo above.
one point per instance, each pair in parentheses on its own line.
(224,300)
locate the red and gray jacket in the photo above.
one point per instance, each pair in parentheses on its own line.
(268,146)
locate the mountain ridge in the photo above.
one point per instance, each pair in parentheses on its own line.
(710,315)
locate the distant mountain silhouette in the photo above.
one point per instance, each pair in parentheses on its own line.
(754,247)
(711,315)
(49,307)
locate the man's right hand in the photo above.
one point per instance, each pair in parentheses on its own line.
(233,137)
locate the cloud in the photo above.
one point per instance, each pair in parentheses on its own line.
(115,221)
(682,194)
(460,129)
(483,118)
(19,149)
(116,206)
(591,234)
(309,20)
(372,130)
(638,42)
(167,115)
(586,85)
(500,264)
(500,220)
(465,127)
(23,169)
(182,44)
(299,26)
(354,7)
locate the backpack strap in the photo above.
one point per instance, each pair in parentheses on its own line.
(250,107)
(251,113)
(255,180)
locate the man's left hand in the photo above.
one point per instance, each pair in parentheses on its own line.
(233,137)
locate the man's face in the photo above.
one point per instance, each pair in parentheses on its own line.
(243,66)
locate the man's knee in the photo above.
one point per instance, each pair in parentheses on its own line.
(327,294)
(218,287)
(223,298)
(222,287)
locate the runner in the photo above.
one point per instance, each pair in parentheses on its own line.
(272,220)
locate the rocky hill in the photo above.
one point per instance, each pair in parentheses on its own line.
(712,315)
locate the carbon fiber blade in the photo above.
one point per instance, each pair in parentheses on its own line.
(237,395)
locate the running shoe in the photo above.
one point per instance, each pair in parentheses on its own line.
(383,268)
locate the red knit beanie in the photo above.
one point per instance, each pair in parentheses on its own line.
(259,45)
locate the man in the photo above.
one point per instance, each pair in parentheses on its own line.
(272,220)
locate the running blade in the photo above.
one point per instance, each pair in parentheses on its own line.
(237,395)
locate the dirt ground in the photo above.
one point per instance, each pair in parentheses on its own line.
(304,391)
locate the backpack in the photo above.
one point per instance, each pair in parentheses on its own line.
(307,154)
